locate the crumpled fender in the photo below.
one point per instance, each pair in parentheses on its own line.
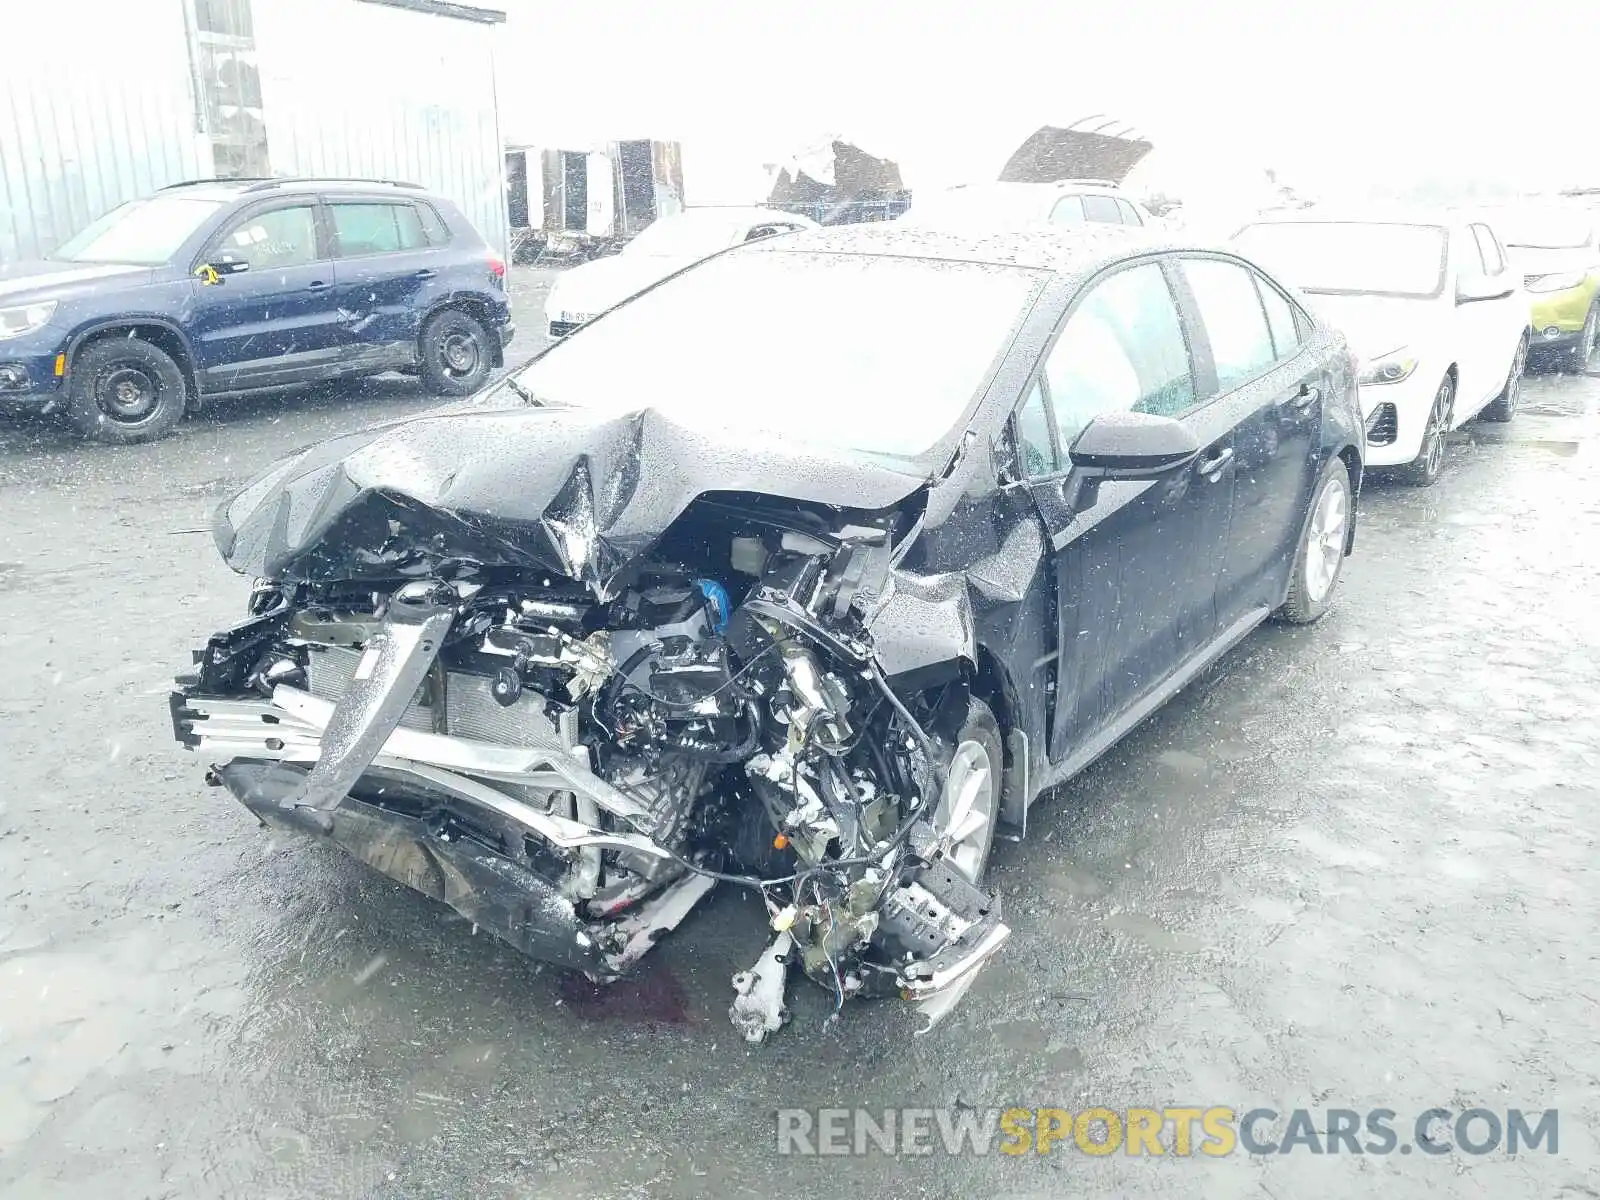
(922,621)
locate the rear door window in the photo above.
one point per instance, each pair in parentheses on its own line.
(1494,260)
(1280,320)
(363,228)
(1235,321)
(1121,350)
(1102,209)
(1130,214)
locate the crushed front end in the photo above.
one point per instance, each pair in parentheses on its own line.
(573,766)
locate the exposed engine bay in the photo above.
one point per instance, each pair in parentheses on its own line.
(574,765)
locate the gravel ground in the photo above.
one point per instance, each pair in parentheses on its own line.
(1354,866)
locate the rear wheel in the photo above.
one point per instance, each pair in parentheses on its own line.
(1425,469)
(1504,406)
(970,805)
(455,354)
(125,390)
(1320,558)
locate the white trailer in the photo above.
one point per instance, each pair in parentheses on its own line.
(156,91)
(589,200)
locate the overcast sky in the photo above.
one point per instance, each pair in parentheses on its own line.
(1324,92)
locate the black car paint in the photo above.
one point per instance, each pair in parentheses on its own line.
(1004,579)
(567,490)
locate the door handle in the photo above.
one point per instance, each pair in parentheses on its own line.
(1308,395)
(316,285)
(1212,467)
(426,273)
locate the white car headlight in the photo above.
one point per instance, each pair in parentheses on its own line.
(25,318)
(1559,282)
(1388,368)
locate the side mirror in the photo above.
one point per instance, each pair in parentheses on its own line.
(212,272)
(1472,288)
(1130,445)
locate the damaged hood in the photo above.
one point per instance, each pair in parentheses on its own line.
(576,491)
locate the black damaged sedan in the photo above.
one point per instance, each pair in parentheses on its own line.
(801,571)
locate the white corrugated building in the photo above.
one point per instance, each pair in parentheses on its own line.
(101,102)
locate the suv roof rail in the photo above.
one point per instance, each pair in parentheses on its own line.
(264,185)
(214,179)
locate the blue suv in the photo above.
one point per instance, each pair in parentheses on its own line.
(215,287)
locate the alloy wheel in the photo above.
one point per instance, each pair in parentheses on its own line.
(1433,442)
(1326,539)
(1514,384)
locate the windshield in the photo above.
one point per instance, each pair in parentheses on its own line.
(876,354)
(700,233)
(1351,257)
(143,233)
(1547,229)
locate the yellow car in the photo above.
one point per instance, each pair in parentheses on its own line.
(1557,252)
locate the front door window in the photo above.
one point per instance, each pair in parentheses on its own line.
(265,241)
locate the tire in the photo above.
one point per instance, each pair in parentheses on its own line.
(1425,469)
(1504,406)
(1319,559)
(979,739)
(1575,359)
(125,390)
(455,354)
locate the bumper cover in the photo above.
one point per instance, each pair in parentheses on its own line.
(486,888)
(1411,401)
(28,382)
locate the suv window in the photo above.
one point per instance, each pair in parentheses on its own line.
(1068,211)
(280,237)
(1280,319)
(376,227)
(433,226)
(1036,453)
(1130,214)
(1236,323)
(1122,350)
(1489,250)
(1102,209)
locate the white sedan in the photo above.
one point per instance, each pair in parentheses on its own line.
(1432,307)
(665,247)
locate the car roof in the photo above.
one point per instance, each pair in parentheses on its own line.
(1396,214)
(1053,187)
(288,185)
(1067,250)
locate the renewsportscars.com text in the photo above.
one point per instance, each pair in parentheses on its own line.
(1180,1132)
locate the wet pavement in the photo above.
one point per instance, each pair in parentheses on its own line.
(1354,866)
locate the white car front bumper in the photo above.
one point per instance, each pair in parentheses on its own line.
(1396,416)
